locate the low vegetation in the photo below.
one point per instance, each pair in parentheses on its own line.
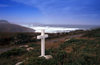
(13,52)
(76,51)
(23,38)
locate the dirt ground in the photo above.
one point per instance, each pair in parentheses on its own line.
(54,43)
(50,43)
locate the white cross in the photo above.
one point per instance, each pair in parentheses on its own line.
(42,37)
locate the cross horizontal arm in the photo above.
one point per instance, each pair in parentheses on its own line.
(42,36)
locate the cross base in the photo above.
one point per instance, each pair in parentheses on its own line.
(47,56)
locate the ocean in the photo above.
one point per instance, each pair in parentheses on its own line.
(59,28)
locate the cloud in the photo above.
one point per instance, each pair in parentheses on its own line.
(3,5)
(64,10)
(56,6)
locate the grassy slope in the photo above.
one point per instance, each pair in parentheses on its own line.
(76,51)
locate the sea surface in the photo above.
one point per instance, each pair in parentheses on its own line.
(59,28)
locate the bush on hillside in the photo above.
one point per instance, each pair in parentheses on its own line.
(13,52)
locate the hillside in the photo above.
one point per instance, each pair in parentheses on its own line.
(5,26)
(81,48)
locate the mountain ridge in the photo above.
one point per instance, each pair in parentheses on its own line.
(6,26)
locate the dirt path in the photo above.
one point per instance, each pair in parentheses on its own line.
(54,43)
(50,43)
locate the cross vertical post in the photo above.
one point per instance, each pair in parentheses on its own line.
(42,43)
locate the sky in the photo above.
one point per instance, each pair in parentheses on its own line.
(81,12)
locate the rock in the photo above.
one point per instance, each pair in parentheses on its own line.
(47,57)
(30,48)
(24,46)
(67,39)
(18,63)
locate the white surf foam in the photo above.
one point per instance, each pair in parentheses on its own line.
(49,29)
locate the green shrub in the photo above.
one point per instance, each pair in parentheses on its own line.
(93,33)
(33,45)
(72,41)
(13,52)
(61,57)
(7,61)
(40,61)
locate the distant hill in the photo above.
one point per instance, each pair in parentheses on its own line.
(5,26)
(4,21)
